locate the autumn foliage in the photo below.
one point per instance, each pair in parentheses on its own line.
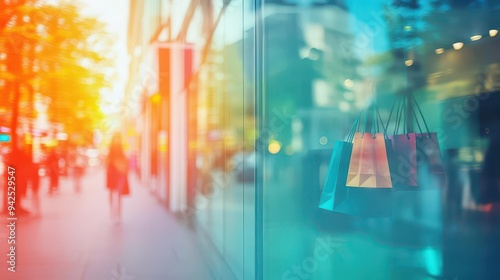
(50,52)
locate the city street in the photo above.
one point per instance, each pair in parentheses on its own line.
(242,140)
(75,238)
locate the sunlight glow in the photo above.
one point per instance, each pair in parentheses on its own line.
(116,24)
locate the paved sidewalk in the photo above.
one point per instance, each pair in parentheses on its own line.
(75,238)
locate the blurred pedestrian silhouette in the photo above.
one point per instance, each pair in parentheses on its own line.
(34,179)
(53,170)
(25,172)
(77,161)
(117,176)
(489,187)
(310,70)
(134,164)
(455,185)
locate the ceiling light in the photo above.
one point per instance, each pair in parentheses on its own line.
(439,51)
(476,37)
(323,140)
(458,45)
(493,32)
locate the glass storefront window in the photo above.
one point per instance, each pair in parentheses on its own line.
(321,62)
(281,83)
(224,149)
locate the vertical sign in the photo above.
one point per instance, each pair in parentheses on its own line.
(176,66)
(165,77)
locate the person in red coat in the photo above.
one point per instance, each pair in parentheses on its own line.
(117,176)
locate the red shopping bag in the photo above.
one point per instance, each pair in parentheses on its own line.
(369,165)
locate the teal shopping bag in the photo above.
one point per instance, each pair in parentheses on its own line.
(337,197)
(334,189)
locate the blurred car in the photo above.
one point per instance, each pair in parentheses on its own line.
(93,157)
(62,164)
(244,167)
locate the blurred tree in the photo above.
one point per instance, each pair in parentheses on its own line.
(54,51)
(7,9)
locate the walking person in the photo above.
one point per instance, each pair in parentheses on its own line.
(488,189)
(21,162)
(35,186)
(117,176)
(78,163)
(53,169)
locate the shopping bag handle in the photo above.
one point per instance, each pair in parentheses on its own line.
(404,102)
(376,119)
(354,128)
(421,115)
(363,115)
